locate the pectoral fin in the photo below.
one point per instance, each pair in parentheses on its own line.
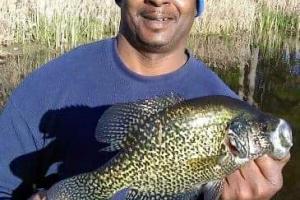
(213,190)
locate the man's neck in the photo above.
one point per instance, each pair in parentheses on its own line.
(149,63)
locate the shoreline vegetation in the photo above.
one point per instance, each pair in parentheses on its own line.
(65,24)
(34,31)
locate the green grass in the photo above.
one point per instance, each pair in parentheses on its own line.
(272,28)
(279,22)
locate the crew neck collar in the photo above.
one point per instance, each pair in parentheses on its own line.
(122,68)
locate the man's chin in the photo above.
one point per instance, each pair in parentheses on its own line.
(156,45)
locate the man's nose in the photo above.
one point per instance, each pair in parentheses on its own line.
(158,3)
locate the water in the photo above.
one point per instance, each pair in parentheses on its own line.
(268,79)
(273,85)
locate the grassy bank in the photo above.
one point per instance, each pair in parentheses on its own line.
(222,37)
(276,22)
(64,24)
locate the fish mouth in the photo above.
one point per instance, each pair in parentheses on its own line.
(281,140)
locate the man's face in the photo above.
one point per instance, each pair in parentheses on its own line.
(157,25)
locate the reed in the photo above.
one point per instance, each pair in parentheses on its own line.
(226,17)
(57,23)
(276,21)
(221,37)
(65,24)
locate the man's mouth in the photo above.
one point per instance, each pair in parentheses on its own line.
(157,21)
(158,18)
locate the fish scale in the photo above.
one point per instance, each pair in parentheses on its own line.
(168,147)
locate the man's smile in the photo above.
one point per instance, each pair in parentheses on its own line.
(162,25)
(157,20)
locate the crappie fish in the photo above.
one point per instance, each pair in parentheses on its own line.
(170,147)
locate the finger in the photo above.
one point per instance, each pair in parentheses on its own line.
(236,175)
(268,165)
(271,161)
(272,169)
(39,196)
(256,183)
(233,183)
(284,160)
(35,197)
(251,173)
(228,192)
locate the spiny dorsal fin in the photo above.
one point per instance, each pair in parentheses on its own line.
(121,119)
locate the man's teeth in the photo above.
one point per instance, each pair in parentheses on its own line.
(161,19)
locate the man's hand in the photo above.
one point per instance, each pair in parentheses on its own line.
(39,196)
(259,179)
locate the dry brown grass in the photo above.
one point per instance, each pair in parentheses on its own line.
(226,16)
(288,6)
(56,22)
(63,23)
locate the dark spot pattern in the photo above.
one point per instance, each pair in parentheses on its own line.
(164,156)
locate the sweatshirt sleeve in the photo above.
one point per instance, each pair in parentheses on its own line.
(15,140)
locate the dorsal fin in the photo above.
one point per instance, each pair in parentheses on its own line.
(121,119)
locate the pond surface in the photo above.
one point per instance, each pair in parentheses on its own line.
(269,80)
(272,83)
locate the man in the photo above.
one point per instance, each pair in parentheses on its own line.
(47,127)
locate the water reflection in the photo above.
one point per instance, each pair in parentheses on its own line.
(248,76)
(269,80)
(273,84)
(17,63)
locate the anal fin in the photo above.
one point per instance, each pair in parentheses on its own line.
(134,194)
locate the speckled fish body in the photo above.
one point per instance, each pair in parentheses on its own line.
(169,147)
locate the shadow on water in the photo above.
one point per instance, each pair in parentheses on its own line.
(65,128)
(269,80)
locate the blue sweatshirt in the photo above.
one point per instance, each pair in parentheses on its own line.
(47,126)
